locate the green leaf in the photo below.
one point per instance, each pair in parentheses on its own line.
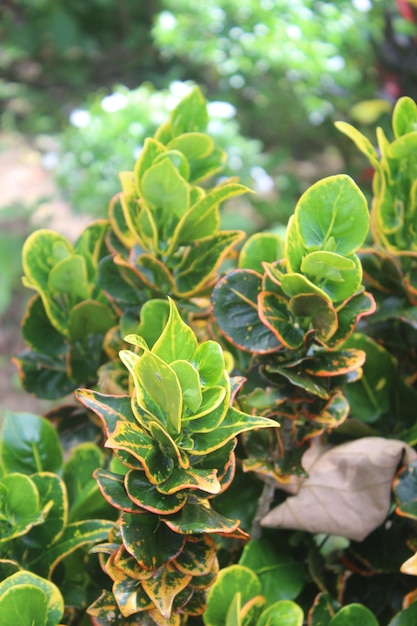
(75,535)
(297,284)
(153,319)
(89,318)
(371,396)
(234,423)
(208,359)
(235,307)
(198,556)
(29,444)
(84,498)
(333,211)
(352,615)
(156,385)
(406,617)
(164,188)
(190,115)
(335,363)
(110,409)
(360,141)
(260,248)
(163,587)
(190,384)
(19,506)
(69,276)
(51,489)
(158,465)
(29,600)
(202,219)
(339,276)
(280,576)
(404,116)
(282,613)
(151,150)
(25,605)
(177,341)
(178,160)
(232,580)
(193,145)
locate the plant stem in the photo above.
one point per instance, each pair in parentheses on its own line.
(264,505)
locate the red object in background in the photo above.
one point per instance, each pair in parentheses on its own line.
(407,10)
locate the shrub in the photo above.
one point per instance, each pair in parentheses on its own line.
(269,391)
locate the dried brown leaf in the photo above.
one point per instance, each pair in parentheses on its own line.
(348,490)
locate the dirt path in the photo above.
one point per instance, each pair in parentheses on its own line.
(28,189)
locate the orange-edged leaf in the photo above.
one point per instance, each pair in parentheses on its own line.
(235,307)
(197,518)
(147,496)
(150,542)
(349,313)
(198,556)
(110,409)
(74,536)
(206,580)
(334,413)
(106,610)
(192,478)
(130,597)
(275,313)
(335,363)
(125,562)
(157,464)
(112,487)
(196,602)
(164,585)
(235,422)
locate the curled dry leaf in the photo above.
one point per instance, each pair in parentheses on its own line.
(347,491)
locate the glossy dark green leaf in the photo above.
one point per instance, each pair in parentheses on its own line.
(313,312)
(113,489)
(235,307)
(38,332)
(196,518)
(148,497)
(198,556)
(405,491)
(29,444)
(274,312)
(149,541)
